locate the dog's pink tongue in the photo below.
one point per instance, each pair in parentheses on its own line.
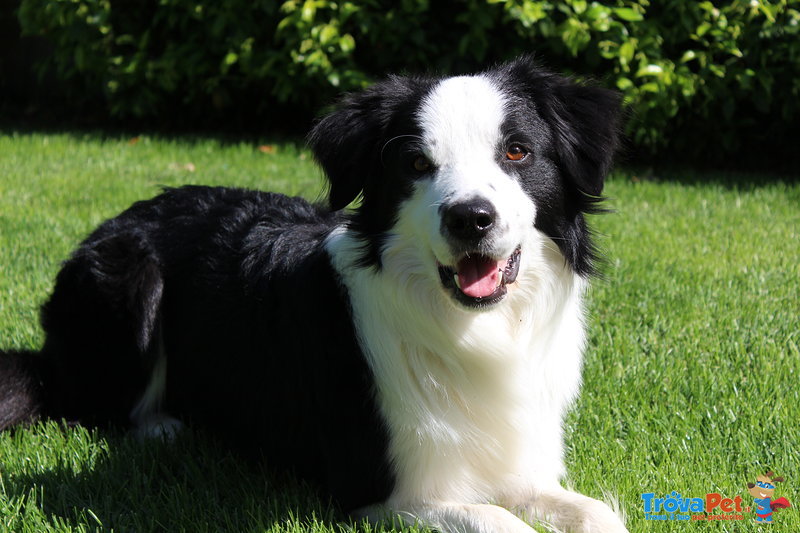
(478,276)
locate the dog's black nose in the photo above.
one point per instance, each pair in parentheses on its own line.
(469,221)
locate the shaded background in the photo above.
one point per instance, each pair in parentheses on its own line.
(707,83)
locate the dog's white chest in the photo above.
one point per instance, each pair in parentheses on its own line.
(473,401)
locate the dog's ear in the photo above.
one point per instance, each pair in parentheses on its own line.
(584,121)
(347,142)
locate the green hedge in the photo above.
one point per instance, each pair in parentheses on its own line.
(691,71)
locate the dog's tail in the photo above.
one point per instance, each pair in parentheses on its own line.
(22,391)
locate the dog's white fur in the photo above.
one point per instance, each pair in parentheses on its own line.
(474,399)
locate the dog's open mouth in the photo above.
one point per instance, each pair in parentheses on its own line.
(478,280)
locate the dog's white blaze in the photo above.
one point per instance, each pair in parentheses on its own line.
(474,400)
(461,115)
(461,123)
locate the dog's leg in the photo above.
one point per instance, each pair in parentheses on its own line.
(449,517)
(102,326)
(571,512)
(22,392)
(157,426)
(148,418)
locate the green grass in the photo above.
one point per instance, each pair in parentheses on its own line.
(691,377)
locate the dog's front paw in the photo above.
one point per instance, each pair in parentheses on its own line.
(597,517)
(570,512)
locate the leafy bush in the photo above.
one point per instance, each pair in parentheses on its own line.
(691,71)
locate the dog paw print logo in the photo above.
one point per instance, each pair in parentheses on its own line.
(762,491)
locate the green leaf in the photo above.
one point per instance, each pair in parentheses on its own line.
(717,70)
(599,17)
(328,34)
(623,83)
(608,49)
(649,70)
(575,36)
(308,11)
(347,43)
(628,14)
(702,29)
(626,52)
(306,45)
(597,12)
(650,87)
(333,79)
(231,58)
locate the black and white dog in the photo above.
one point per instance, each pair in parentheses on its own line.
(412,357)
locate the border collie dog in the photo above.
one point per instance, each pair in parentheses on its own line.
(412,357)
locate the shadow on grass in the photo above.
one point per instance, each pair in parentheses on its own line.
(742,180)
(128,132)
(187,485)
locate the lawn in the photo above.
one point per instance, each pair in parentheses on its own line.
(691,376)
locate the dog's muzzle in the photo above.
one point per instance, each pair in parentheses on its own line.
(478,279)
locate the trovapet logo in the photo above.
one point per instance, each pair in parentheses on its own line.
(762,491)
(714,506)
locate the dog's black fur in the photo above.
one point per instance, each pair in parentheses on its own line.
(200,271)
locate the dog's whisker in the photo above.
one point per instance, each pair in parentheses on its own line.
(395,138)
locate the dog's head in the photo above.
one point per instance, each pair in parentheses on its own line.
(476,170)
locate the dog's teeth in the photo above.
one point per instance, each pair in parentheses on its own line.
(455,278)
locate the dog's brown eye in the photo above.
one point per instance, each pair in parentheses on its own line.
(516,152)
(421,164)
